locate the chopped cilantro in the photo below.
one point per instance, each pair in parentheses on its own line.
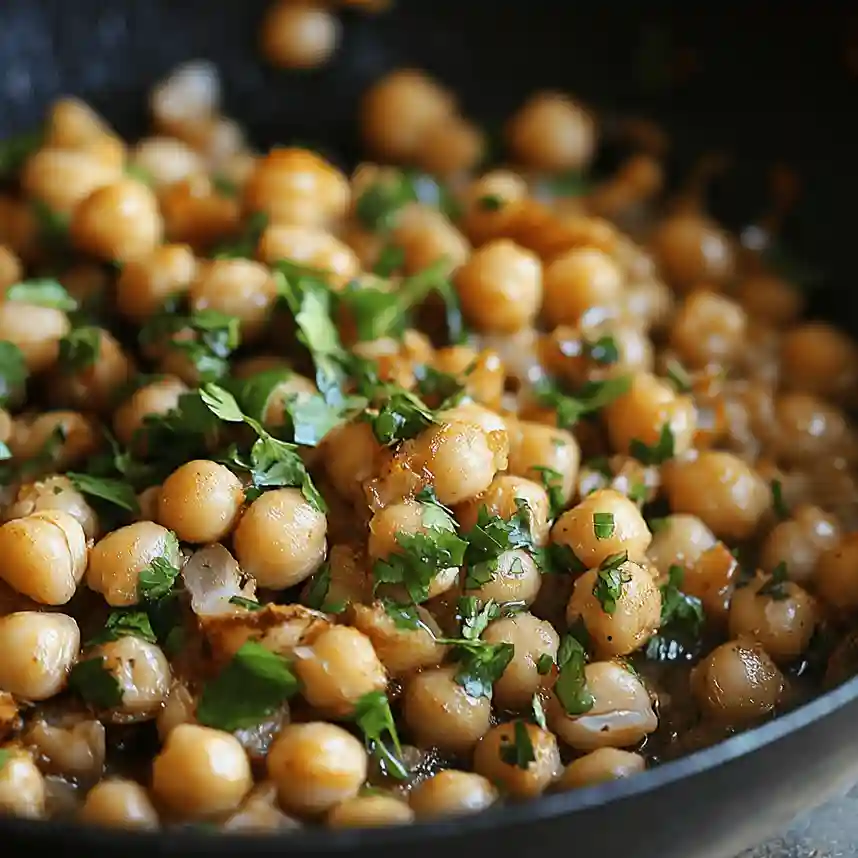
(245,244)
(657,454)
(610,579)
(157,580)
(480,665)
(80,348)
(558,559)
(441,388)
(118,492)
(13,372)
(603,351)
(247,604)
(518,752)
(491,202)
(402,416)
(552,481)
(127,623)
(404,616)
(373,716)
(603,525)
(544,664)
(594,396)
(678,608)
(491,537)
(776,586)
(538,711)
(778,503)
(390,259)
(475,618)
(94,683)
(45,292)
(571,686)
(379,205)
(317,593)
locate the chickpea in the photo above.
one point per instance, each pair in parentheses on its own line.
(311,247)
(582,283)
(500,287)
(622,713)
(201,773)
(260,812)
(297,187)
(471,412)
(503,498)
(19,228)
(452,793)
(708,328)
(145,284)
(73,747)
(370,811)
(57,493)
(807,429)
(835,578)
(36,331)
(737,682)
(398,110)
(39,651)
(119,221)
(299,35)
(280,540)
(152,400)
(643,412)
(116,561)
(817,358)
(119,803)
(552,133)
(190,92)
(782,623)
(427,237)
(439,712)
(180,707)
(351,456)
(167,160)
(576,528)
(44,556)
(680,540)
(719,488)
(531,638)
(72,124)
(450,147)
(201,501)
(491,205)
(22,788)
(799,542)
(648,302)
(482,373)
(712,579)
(517,782)
(196,214)
(11,270)
(770,300)
(691,250)
(316,766)
(401,651)
(516,579)
(61,178)
(60,438)
(599,766)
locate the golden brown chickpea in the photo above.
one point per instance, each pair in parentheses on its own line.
(427,237)
(60,438)
(503,498)
(72,123)
(599,766)
(39,651)
(398,110)
(54,492)
(23,792)
(154,399)
(196,214)
(770,300)
(116,561)
(726,494)
(11,270)
(518,782)
(551,132)
(36,331)
(576,528)
(439,712)
(708,328)
(201,501)
(316,766)
(516,579)
(280,540)
(145,284)
(452,793)
(167,160)
(61,178)
(817,358)
(73,746)
(482,373)
(636,613)
(490,209)
(297,187)
(44,556)
(19,228)
(260,812)
(581,284)
(190,92)
(351,456)
(118,222)
(449,147)
(500,287)
(299,35)
(737,682)
(370,811)
(622,713)
(799,542)
(808,429)
(200,773)
(679,540)
(712,579)
(119,803)
(311,247)
(471,412)
(836,576)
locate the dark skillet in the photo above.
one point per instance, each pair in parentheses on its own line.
(771,83)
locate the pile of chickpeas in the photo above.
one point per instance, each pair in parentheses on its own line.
(722,466)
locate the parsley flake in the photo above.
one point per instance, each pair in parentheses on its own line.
(776,586)
(544,664)
(13,372)
(610,580)
(128,623)
(247,604)
(657,454)
(475,618)
(373,716)
(603,351)
(158,579)
(571,686)
(491,202)
(403,416)
(603,525)
(538,711)
(552,482)
(518,752)
(481,664)
(44,292)
(79,350)
(594,396)
(92,681)
(317,593)
(493,536)
(778,503)
(118,492)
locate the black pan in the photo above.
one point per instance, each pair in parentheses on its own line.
(766,82)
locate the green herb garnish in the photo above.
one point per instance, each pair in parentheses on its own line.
(373,716)
(603,525)
(44,292)
(594,396)
(571,686)
(92,681)
(128,623)
(662,451)
(519,752)
(610,580)
(118,492)
(776,586)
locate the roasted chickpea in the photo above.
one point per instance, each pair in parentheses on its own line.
(582,284)
(196,214)
(500,287)
(35,330)
(515,579)
(799,542)
(737,682)
(119,803)
(56,493)
(708,328)
(200,773)
(44,556)
(490,205)
(72,124)
(817,358)
(316,766)
(621,716)
(836,577)
(427,237)
(770,300)
(61,178)
(167,160)
(145,284)
(680,540)
(482,373)
(452,793)
(370,811)
(712,578)
(280,540)
(691,250)
(727,495)
(11,270)
(60,439)
(529,782)
(440,713)
(311,247)
(39,651)
(808,429)
(599,766)
(201,501)
(119,221)
(351,456)
(23,792)
(551,132)
(116,561)
(450,147)
(299,35)
(152,400)
(479,415)
(260,812)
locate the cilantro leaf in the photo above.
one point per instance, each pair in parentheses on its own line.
(117,492)
(552,482)
(544,664)
(610,580)
(558,559)
(390,259)
(775,586)
(247,604)
(538,711)
(491,537)
(92,681)
(80,348)
(254,685)
(592,397)
(317,593)
(519,752)
(157,580)
(678,376)
(491,202)
(403,416)
(404,616)
(244,245)
(678,608)
(475,618)
(778,503)
(13,371)
(373,716)
(128,623)
(378,207)
(603,351)
(603,525)
(663,449)
(571,686)
(15,150)
(442,388)
(45,292)
(480,665)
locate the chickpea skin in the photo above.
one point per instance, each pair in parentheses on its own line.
(155,399)
(22,787)
(836,576)
(351,454)
(201,501)
(57,493)
(119,803)
(280,540)
(517,782)
(450,147)
(516,579)
(599,766)
(39,650)
(582,283)
(316,766)
(680,540)
(145,284)
(500,287)
(737,683)
(536,450)
(167,160)
(298,35)
(708,329)
(452,793)
(441,714)
(201,773)
(370,811)
(799,542)
(44,556)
